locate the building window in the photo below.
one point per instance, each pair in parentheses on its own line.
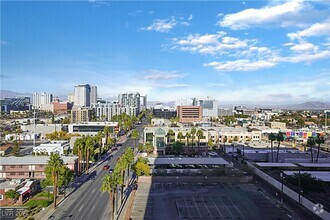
(21,174)
(13,166)
(12,174)
(20,166)
(1,197)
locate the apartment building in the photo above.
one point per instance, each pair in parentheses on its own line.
(131,99)
(39,99)
(188,114)
(105,111)
(30,167)
(81,114)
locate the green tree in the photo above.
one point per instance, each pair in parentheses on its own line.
(12,194)
(310,144)
(169,135)
(319,140)
(79,145)
(121,165)
(307,182)
(148,148)
(89,148)
(200,136)
(129,157)
(188,136)
(106,131)
(99,137)
(109,185)
(279,138)
(16,149)
(210,143)
(52,170)
(65,176)
(180,136)
(193,133)
(135,136)
(141,167)
(272,138)
(177,147)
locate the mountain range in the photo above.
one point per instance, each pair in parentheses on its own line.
(310,105)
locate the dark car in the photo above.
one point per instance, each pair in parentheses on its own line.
(111,170)
(106,167)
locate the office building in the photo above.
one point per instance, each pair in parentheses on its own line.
(71,98)
(189,113)
(130,100)
(82,95)
(160,111)
(15,104)
(143,102)
(184,101)
(209,106)
(93,94)
(39,99)
(92,128)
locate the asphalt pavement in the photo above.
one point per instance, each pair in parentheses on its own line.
(88,202)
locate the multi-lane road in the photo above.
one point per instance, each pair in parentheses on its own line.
(88,202)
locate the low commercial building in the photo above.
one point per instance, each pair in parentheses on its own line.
(30,167)
(52,147)
(42,129)
(190,114)
(276,125)
(92,128)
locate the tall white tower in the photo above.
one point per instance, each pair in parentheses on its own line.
(82,95)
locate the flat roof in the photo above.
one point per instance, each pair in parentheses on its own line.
(188,160)
(276,165)
(32,160)
(322,175)
(323,165)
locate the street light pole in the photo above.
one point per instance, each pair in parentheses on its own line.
(281,174)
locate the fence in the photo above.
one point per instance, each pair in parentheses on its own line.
(313,207)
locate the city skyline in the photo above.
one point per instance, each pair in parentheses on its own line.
(239,52)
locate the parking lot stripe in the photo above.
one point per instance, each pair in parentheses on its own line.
(207,207)
(216,207)
(187,206)
(196,207)
(235,207)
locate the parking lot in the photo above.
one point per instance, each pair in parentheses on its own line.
(166,200)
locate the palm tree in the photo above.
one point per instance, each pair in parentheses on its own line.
(89,149)
(54,166)
(121,165)
(109,185)
(106,131)
(319,140)
(180,136)
(199,136)
(79,146)
(310,144)
(99,137)
(188,135)
(170,133)
(272,138)
(279,138)
(193,132)
(135,136)
(129,157)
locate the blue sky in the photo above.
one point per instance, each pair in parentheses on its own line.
(233,51)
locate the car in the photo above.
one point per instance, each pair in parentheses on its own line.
(111,170)
(106,167)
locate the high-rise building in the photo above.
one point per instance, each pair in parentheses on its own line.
(93,94)
(209,106)
(105,111)
(82,95)
(130,100)
(41,99)
(143,102)
(184,101)
(71,98)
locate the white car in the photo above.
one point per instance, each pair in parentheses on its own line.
(213,153)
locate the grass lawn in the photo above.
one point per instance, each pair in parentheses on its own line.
(41,200)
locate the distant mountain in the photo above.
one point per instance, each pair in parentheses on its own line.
(313,105)
(12,94)
(152,103)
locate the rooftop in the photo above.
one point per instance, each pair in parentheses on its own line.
(276,165)
(28,160)
(188,160)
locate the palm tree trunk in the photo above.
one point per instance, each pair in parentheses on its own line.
(79,162)
(122,187)
(111,206)
(271,149)
(87,161)
(312,153)
(278,151)
(318,152)
(55,189)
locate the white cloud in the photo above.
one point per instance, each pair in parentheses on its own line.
(210,43)
(306,57)
(185,23)
(190,17)
(303,47)
(161,25)
(215,84)
(281,13)
(241,65)
(317,29)
(163,75)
